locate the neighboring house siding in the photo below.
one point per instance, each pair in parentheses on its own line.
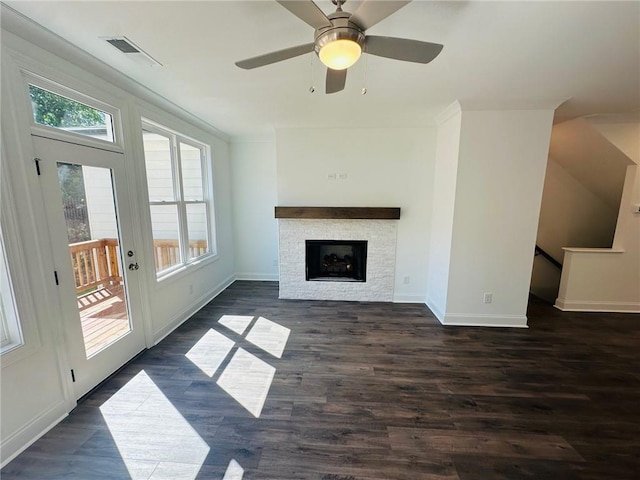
(101,210)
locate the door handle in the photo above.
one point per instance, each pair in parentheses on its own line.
(134,266)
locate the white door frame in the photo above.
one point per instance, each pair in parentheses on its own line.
(89,372)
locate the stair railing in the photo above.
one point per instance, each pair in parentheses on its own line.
(554,262)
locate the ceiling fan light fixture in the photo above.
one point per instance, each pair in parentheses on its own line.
(340,54)
(339,47)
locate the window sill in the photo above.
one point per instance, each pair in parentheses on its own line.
(185,270)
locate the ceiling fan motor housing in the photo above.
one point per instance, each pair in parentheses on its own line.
(341,29)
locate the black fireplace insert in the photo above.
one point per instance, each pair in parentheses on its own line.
(336,260)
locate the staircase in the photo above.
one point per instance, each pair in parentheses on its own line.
(592,178)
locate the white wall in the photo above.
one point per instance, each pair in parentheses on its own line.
(501,165)
(32,392)
(36,390)
(609,279)
(254,191)
(571,215)
(623,135)
(376,167)
(444,194)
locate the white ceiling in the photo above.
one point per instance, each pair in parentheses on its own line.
(496,55)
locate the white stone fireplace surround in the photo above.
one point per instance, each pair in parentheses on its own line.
(381,258)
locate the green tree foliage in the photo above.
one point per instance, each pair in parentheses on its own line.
(61,112)
(58,111)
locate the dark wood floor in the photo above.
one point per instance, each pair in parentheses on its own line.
(362,391)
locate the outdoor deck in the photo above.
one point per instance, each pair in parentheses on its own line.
(99,285)
(104,317)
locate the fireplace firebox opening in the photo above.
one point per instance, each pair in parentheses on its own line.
(336,260)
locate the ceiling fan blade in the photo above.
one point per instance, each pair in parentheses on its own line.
(402,49)
(307,11)
(273,57)
(371,12)
(336,80)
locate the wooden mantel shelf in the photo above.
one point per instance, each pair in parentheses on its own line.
(351,213)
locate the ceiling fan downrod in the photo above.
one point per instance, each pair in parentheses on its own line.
(338,4)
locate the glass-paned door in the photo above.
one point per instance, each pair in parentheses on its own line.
(85,193)
(89,210)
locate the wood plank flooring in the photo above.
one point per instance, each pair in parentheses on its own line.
(361,391)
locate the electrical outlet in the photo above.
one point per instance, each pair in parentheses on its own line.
(407,280)
(190,289)
(331,176)
(488,297)
(342,176)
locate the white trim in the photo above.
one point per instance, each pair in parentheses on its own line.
(591,306)
(186,314)
(485,320)
(11,329)
(449,112)
(592,250)
(19,441)
(181,271)
(408,299)
(439,314)
(37,267)
(258,277)
(208,192)
(59,89)
(29,341)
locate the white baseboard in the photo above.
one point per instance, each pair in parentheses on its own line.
(408,299)
(258,277)
(485,320)
(187,313)
(439,314)
(18,442)
(590,306)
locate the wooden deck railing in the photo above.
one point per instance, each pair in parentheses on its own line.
(95,262)
(167,252)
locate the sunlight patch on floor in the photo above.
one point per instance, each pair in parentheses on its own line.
(269,336)
(234,471)
(247,379)
(146,427)
(210,351)
(236,323)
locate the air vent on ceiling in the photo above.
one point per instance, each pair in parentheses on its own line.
(123,45)
(132,50)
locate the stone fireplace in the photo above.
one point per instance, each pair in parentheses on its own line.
(363,273)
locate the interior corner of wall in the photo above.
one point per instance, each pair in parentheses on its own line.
(435,309)
(449,111)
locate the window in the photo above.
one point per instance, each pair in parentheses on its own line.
(179,199)
(10,333)
(57,111)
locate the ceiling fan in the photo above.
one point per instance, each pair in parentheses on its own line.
(340,39)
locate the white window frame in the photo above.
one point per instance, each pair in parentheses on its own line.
(116,144)
(10,329)
(175,139)
(19,323)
